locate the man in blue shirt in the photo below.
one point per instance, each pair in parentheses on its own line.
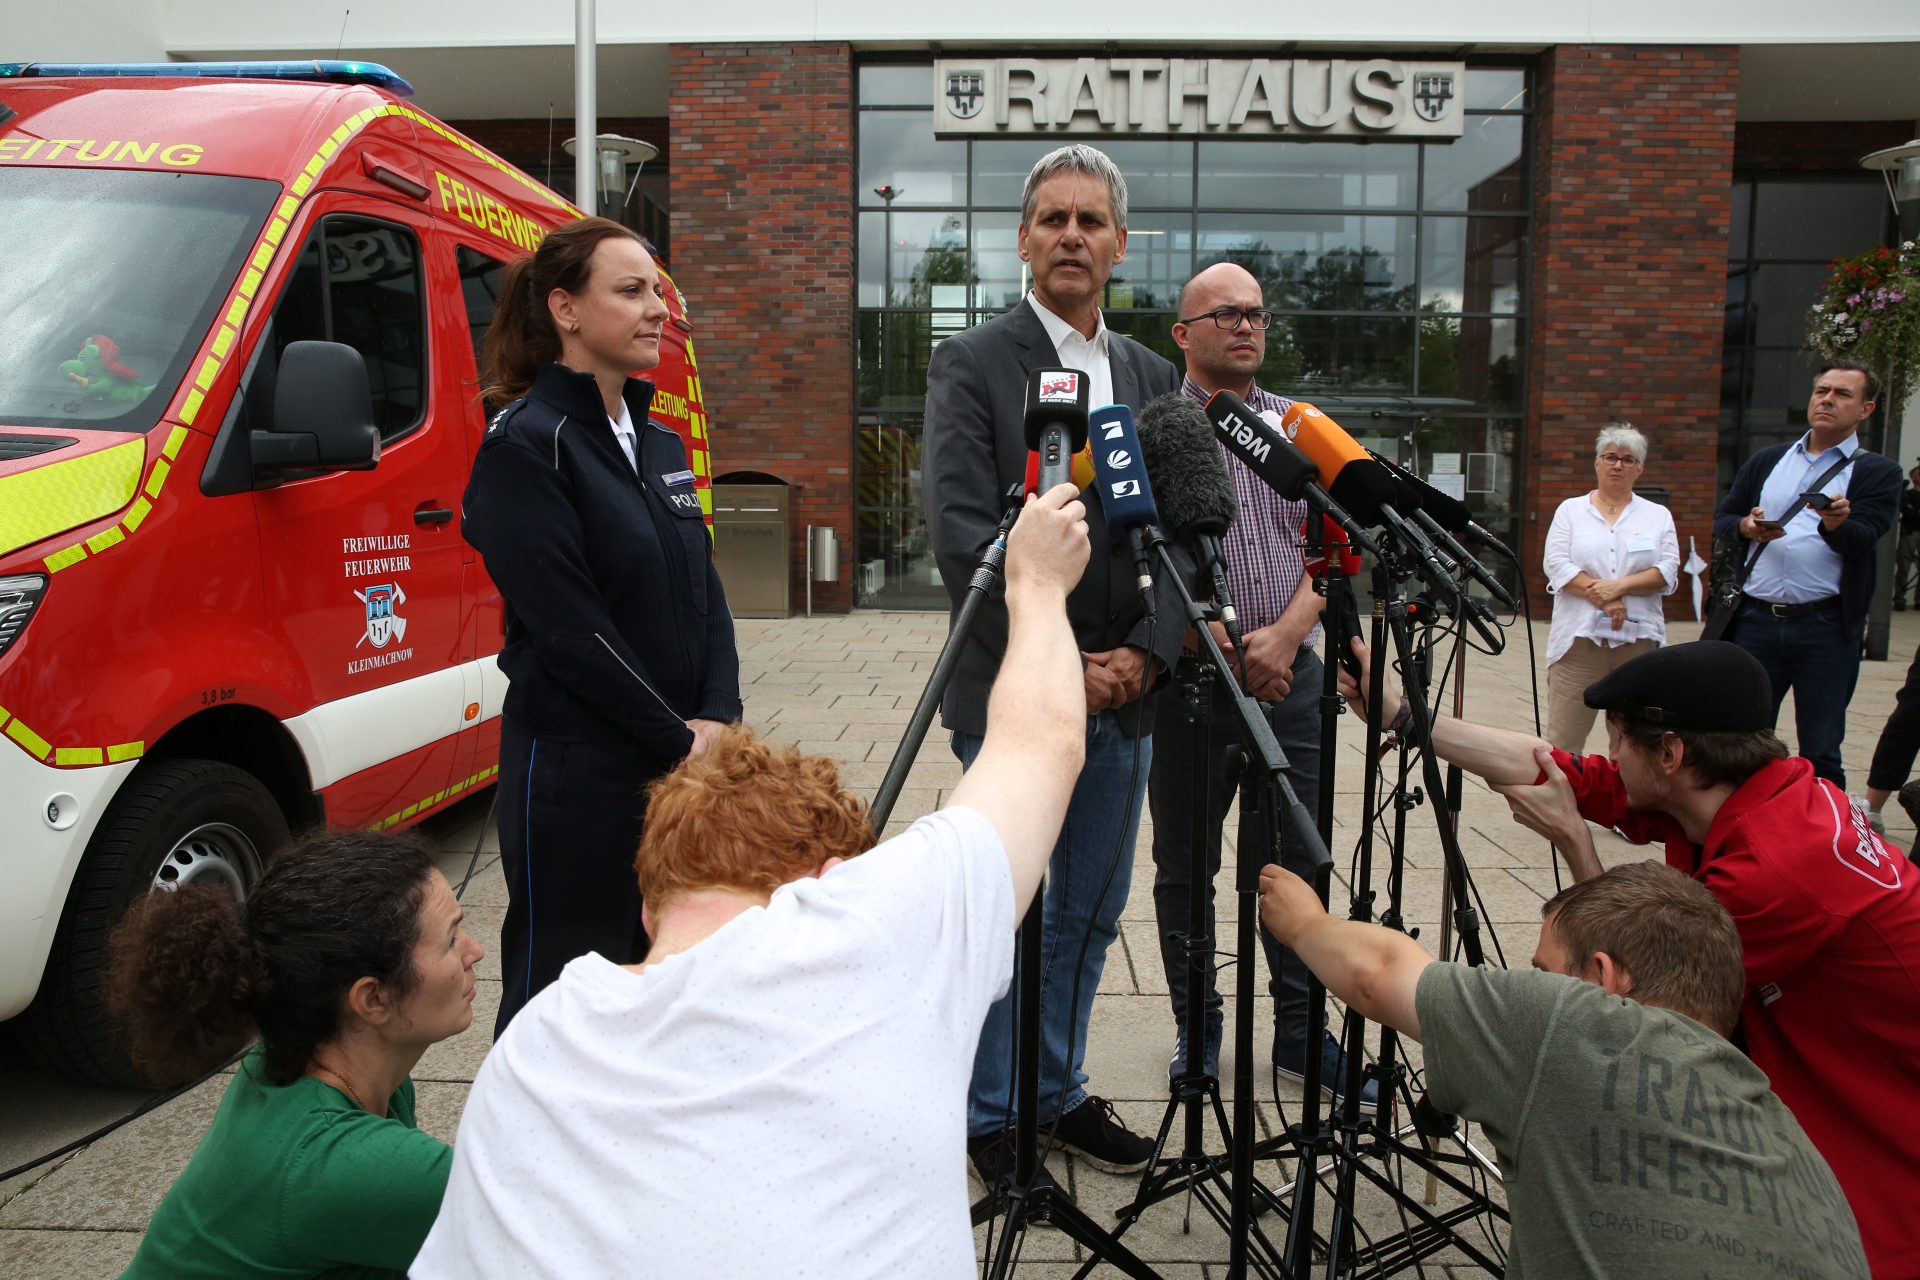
(1806,595)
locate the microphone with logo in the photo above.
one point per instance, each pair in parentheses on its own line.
(1055,423)
(1197,503)
(1277,461)
(1126,494)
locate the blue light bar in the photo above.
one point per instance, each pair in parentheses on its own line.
(324,70)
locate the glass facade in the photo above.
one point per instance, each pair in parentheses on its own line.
(1397,272)
(1785,231)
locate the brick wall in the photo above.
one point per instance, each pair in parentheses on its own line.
(1633,169)
(763,230)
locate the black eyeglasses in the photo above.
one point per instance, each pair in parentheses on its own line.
(1230,318)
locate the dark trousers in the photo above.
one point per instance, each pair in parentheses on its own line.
(1176,757)
(1816,656)
(570,816)
(1900,741)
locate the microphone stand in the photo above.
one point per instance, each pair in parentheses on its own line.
(1265,787)
(1016,1195)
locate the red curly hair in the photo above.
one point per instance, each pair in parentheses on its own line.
(747,814)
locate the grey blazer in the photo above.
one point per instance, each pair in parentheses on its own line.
(973,451)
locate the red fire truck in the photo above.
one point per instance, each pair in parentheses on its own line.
(239,403)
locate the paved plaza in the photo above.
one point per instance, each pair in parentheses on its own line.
(845,686)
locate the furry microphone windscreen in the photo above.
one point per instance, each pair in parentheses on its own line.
(1183,465)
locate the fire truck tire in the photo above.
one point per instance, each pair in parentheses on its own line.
(174,822)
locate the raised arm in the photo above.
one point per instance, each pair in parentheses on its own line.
(1498,755)
(1036,715)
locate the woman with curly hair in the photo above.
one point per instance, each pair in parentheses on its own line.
(347,960)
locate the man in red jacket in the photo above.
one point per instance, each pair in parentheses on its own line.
(1828,912)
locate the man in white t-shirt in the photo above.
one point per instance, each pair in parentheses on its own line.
(781,1088)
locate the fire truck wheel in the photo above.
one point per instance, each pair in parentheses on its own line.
(175,822)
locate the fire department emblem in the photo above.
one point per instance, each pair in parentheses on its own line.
(384,625)
(966,93)
(1433,95)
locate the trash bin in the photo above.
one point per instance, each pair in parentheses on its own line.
(750,540)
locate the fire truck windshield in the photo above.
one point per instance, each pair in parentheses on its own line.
(112,281)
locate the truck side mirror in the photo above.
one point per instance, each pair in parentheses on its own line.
(322,413)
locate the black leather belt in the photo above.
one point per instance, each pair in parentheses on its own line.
(1795,610)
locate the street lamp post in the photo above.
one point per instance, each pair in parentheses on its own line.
(1901,167)
(888,193)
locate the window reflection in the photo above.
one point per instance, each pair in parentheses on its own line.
(1159,172)
(914,260)
(898,151)
(1479,172)
(1317,262)
(1306,175)
(1471,264)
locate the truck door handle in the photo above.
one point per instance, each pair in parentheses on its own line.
(432,515)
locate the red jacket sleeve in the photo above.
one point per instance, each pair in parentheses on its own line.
(1602,798)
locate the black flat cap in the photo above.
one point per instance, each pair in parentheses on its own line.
(1708,684)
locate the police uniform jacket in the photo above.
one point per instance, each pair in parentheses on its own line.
(617,627)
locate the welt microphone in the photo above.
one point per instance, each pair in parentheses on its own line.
(1278,462)
(1055,423)
(1126,494)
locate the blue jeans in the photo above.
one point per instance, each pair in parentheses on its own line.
(1102,817)
(1818,657)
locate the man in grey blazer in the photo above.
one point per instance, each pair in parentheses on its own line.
(1073,232)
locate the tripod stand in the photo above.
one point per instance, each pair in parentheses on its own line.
(1019,1194)
(1351,1139)
(1267,796)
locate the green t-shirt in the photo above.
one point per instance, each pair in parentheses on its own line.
(1633,1140)
(296,1180)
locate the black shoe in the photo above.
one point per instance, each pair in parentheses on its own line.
(1291,1061)
(1910,801)
(1094,1133)
(990,1158)
(1899,606)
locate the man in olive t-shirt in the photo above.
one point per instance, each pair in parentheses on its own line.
(1634,1139)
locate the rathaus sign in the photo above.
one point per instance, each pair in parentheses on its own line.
(1171,97)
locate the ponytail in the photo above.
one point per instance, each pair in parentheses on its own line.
(523,337)
(195,976)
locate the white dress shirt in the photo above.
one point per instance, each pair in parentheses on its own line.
(1580,539)
(1089,355)
(623,432)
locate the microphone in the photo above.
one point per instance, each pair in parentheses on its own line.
(1441,515)
(1196,499)
(1351,476)
(1276,460)
(1448,511)
(1126,494)
(1055,424)
(1082,472)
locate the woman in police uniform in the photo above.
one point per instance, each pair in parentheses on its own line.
(619,646)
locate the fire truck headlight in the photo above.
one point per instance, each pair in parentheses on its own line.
(19,597)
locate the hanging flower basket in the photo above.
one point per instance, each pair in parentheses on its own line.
(1869,310)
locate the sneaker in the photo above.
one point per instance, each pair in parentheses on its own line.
(1291,1061)
(1215,1028)
(1094,1133)
(1874,820)
(990,1158)
(1910,801)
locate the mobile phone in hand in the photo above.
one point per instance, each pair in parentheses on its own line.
(1770,525)
(1817,500)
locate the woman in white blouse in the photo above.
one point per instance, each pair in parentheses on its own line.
(1610,557)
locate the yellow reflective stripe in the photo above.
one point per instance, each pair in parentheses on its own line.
(208,368)
(287,205)
(105,538)
(175,438)
(158,477)
(45,500)
(223,341)
(70,756)
(302,184)
(133,518)
(125,751)
(62,559)
(190,408)
(37,746)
